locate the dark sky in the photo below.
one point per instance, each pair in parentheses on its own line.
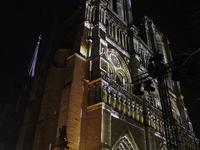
(22,21)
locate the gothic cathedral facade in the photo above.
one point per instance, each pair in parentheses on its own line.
(87,80)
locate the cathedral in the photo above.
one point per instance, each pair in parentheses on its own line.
(88,86)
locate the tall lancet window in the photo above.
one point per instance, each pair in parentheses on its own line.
(124,10)
(115,6)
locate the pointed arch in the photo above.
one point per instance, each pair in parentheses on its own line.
(119,80)
(125,141)
(119,65)
(122,76)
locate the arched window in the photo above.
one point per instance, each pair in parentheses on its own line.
(124,10)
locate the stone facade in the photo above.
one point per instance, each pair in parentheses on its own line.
(87,79)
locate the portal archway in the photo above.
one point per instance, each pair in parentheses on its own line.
(125,142)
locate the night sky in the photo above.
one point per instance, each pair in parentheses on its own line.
(22,21)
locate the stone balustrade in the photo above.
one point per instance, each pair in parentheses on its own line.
(130,106)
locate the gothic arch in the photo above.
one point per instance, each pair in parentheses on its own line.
(118,75)
(122,76)
(118,65)
(125,142)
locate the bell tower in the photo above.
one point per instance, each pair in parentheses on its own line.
(122,8)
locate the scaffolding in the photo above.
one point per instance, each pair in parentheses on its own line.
(157,69)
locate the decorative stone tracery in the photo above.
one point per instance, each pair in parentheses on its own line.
(125,142)
(118,69)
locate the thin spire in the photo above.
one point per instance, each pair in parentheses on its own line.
(31,69)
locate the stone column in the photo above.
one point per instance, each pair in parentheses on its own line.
(119,37)
(106,127)
(124,110)
(114,101)
(122,39)
(119,104)
(133,109)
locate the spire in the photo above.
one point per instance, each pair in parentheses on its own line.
(31,69)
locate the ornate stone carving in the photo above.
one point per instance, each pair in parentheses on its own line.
(115,60)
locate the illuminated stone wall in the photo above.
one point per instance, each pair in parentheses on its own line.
(88,78)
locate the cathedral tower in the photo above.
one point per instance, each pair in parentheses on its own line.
(87,83)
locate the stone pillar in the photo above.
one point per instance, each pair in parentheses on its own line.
(141,115)
(104,96)
(122,39)
(119,37)
(128,107)
(114,104)
(106,126)
(109,97)
(109,29)
(119,104)
(124,110)
(137,112)
(133,110)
